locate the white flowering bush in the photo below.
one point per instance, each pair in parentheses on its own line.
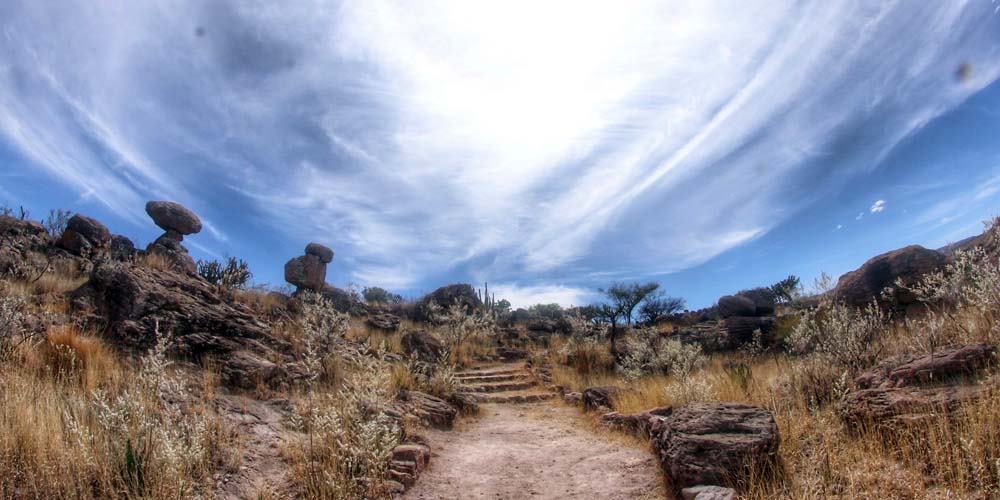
(348,437)
(12,332)
(322,326)
(692,388)
(648,352)
(842,335)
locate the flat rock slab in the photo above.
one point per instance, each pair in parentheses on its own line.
(537,452)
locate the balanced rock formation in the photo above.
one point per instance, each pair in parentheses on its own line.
(137,303)
(308,272)
(715,443)
(85,236)
(178,222)
(908,390)
(909,264)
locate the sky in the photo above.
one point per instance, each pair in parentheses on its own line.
(548,148)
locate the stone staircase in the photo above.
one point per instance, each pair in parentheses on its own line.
(501,383)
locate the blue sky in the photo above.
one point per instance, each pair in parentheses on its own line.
(546,147)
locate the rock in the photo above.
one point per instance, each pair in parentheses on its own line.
(324,253)
(573,397)
(859,287)
(740,329)
(423,345)
(639,424)
(736,305)
(600,397)
(342,300)
(465,402)
(460,293)
(122,248)
(511,354)
(172,216)
(134,300)
(904,391)
(84,235)
(542,325)
(432,411)
(170,248)
(306,272)
(716,443)
(708,493)
(384,321)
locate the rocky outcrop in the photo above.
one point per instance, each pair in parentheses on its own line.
(461,294)
(715,443)
(728,334)
(85,236)
(639,424)
(736,305)
(600,397)
(909,264)
(122,248)
(429,410)
(384,321)
(178,222)
(135,301)
(424,346)
(905,391)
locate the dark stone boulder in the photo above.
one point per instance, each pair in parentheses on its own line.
(716,443)
(446,296)
(384,321)
(169,246)
(171,216)
(135,301)
(122,248)
(908,390)
(84,236)
(600,397)
(429,410)
(306,272)
(324,253)
(861,286)
(423,345)
(736,305)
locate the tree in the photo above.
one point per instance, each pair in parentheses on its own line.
(502,306)
(787,289)
(658,305)
(609,314)
(626,296)
(379,295)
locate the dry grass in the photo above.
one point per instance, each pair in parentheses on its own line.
(157,261)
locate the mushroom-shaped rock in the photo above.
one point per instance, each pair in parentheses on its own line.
(173,217)
(716,443)
(307,271)
(324,253)
(83,234)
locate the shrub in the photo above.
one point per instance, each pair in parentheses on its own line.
(847,337)
(378,295)
(234,274)
(12,331)
(322,327)
(56,222)
(648,352)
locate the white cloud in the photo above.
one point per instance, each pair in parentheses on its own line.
(861,215)
(525,296)
(839,227)
(877,207)
(515,137)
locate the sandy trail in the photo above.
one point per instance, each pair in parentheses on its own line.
(539,451)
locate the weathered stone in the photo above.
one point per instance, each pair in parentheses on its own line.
(716,443)
(465,402)
(432,411)
(306,272)
(741,329)
(600,397)
(461,294)
(84,235)
(639,424)
(708,493)
(423,345)
(736,305)
(865,284)
(122,248)
(324,253)
(171,216)
(384,321)
(511,354)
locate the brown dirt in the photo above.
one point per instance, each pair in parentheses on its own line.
(543,451)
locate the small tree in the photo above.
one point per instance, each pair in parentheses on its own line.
(56,222)
(625,297)
(658,305)
(610,314)
(234,274)
(787,289)
(379,295)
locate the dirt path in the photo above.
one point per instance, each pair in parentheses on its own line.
(540,450)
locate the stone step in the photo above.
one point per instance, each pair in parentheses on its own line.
(490,373)
(486,379)
(499,387)
(512,397)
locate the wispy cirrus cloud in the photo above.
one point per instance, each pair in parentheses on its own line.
(520,142)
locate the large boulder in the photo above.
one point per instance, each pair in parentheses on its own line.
(169,246)
(736,305)
(460,293)
(172,216)
(122,248)
(324,253)
(306,272)
(429,410)
(909,264)
(600,397)
(908,390)
(136,302)
(423,345)
(715,443)
(84,235)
